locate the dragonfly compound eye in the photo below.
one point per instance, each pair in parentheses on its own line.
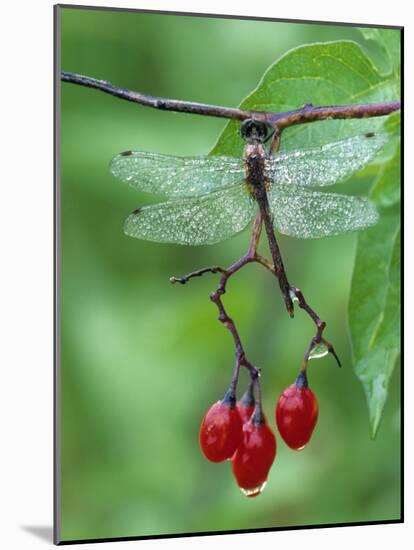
(254,130)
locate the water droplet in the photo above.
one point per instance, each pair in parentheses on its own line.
(320,350)
(293,296)
(254,492)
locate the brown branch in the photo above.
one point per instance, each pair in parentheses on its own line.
(308,113)
(159,102)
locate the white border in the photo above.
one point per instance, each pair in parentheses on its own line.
(26,273)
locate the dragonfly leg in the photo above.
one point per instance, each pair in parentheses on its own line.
(256,232)
(275,143)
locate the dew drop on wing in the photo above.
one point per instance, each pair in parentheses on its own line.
(307,214)
(325,164)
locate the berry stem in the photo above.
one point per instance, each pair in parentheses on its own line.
(248,398)
(258,416)
(230,397)
(302,380)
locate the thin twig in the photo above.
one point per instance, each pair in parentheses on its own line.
(198,273)
(241,359)
(320,327)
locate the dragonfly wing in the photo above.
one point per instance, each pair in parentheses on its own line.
(309,214)
(325,164)
(194,220)
(176,176)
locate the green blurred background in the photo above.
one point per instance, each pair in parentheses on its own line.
(142,359)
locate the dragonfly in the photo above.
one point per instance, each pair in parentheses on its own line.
(211,198)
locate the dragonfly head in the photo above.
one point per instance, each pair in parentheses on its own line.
(254,131)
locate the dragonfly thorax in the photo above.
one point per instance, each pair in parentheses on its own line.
(255,167)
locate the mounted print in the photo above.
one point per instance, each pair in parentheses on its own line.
(228,303)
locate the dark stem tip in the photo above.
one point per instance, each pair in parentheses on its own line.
(230,398)
(302,380)
(248,399)
(338,361)
(258,416)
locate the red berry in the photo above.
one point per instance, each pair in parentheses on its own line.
(297,413)
(246,406)
(255,455)
(221,429)
(244,412)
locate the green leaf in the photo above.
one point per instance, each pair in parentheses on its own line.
(389,41)
(393,124)
(332,73)
(374,307)
(374,312)
(385,192)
